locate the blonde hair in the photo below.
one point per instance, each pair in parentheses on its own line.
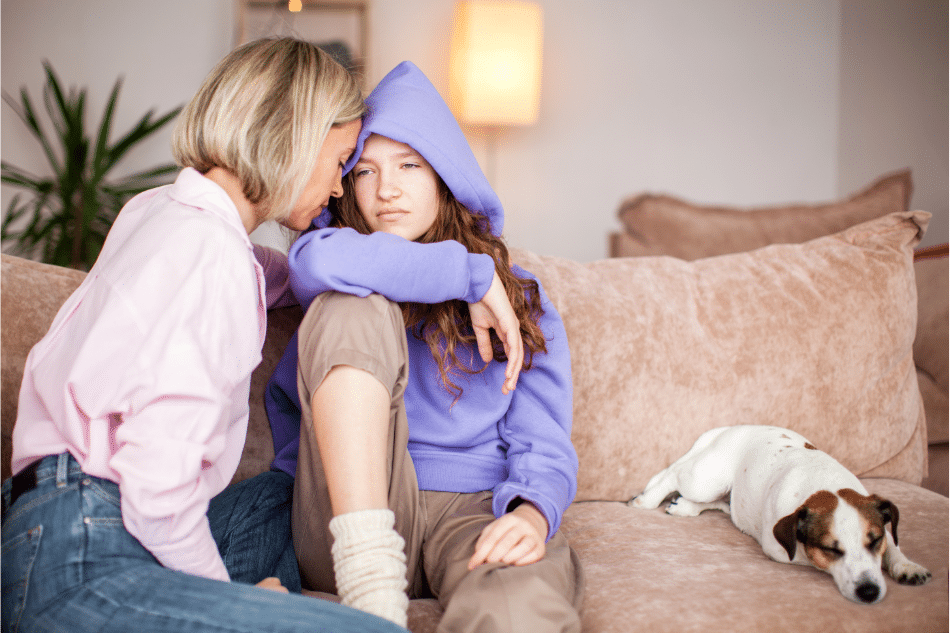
(263,113)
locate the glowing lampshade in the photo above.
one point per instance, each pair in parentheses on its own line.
(495,74)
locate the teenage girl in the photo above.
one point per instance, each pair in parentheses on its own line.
(134,407)
(419,466)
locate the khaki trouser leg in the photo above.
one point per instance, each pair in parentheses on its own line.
(543,596)
(368,334)
(439,528)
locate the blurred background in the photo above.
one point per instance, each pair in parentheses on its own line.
(732,102)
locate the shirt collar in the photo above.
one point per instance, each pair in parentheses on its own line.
(194,190)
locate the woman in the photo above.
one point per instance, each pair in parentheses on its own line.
(416,452)
(134,407)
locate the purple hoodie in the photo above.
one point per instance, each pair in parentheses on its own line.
(517,446)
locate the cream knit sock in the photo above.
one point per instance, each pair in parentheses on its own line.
(370,564)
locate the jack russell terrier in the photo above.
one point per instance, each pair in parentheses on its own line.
(784,492)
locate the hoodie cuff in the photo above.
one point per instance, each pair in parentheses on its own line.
(481,273)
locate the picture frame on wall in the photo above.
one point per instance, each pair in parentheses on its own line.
(339,27)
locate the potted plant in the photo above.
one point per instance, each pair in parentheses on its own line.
(65,217)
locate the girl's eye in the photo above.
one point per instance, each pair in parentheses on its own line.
(360,172)
(409,165)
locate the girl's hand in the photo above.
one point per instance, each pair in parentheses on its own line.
(273,584)
(494,312)
(517,538)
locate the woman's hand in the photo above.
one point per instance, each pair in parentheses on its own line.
(273,584)
(517,538)
(494,312)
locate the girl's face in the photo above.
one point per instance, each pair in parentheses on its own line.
(396,189)
(326,179)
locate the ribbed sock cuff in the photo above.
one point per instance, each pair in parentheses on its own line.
(370,563)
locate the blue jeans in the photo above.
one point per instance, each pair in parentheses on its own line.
(250,522)
(70,565)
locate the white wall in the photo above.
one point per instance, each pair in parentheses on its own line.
(719,101)
(894,99)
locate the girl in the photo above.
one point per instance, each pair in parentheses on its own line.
(134,407)
(412,452)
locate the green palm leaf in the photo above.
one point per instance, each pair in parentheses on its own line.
(67,214)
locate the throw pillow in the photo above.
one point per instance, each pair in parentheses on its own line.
(664,225)
(817,337)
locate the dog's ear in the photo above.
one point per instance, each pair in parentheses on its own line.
(888,512)
(787,530)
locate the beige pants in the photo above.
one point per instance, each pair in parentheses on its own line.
(440,528)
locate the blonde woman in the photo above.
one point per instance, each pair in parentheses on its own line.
(134,407)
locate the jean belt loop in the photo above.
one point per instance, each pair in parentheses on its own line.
(62,469)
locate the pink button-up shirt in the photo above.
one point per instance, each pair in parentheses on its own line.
(145,373)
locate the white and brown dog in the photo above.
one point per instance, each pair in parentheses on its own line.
(784,492)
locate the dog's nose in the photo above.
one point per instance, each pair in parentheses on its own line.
(868,591)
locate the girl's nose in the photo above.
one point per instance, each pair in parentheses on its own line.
(388,189)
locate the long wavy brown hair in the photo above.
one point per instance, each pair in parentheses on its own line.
(447,327)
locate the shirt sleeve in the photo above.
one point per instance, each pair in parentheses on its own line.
(184,402)
(276,277)
(542,461)
(347,261)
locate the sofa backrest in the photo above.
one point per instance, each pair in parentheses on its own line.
(815,337)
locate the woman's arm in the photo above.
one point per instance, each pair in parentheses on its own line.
(276,277)
(179,421)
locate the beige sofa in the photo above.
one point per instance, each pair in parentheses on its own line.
(660,224)
(663,349)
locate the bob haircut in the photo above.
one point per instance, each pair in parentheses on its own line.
(263,113)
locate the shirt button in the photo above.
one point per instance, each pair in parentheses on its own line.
(87,520)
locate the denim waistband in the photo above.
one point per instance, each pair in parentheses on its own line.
(62,469)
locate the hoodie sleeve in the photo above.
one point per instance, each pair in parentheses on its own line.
(542,462)
(347,261)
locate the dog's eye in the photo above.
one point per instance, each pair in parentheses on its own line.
(875,542)
(832,552)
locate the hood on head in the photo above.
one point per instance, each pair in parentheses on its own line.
(406,107)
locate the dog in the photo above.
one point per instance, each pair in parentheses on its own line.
(800,504)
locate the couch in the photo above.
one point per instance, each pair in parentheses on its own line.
(661,224)
(816,336)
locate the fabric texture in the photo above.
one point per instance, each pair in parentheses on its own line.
(666,225)
(816,337)
(370,564)
(250,522)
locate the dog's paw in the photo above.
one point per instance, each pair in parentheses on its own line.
(641,502)
(910,573)
(682,507)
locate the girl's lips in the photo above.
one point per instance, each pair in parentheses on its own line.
(391,215)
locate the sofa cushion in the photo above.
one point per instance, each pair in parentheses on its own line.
(816,337)
(930,345)
(665,225)
(32,294)
(650,571)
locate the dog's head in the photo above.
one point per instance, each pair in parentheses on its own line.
(842,533)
